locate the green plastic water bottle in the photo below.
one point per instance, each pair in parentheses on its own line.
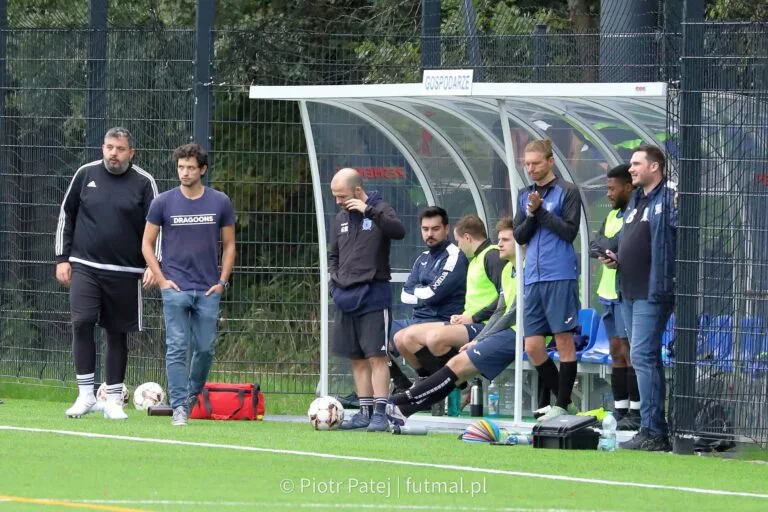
(454,403)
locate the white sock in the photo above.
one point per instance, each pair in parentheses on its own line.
(635,406)
(621,404)
(115,393)
(85,384)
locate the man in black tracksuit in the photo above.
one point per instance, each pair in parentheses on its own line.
(98,256)
(358,262)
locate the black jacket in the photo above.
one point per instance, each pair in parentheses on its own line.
(102,218)
(360,244)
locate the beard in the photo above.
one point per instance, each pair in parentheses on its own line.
(117,169)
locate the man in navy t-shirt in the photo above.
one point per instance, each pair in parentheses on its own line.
(193,218)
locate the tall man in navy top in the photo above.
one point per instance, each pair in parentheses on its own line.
(547,221)
(194,220)
(98,255)
(437,282)
(358,262)
(646,277)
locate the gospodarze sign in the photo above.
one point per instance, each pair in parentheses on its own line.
(448,82)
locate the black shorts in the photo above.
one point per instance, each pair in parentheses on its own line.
(114,302)
(360,336)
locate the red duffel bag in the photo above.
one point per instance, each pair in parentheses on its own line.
(223,401)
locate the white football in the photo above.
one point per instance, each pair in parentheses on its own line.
(101,394)
(325,413)
(148,395)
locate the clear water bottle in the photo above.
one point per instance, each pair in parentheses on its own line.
(519,439)
(608,435)
(493,400)
(508,398)
(405,430)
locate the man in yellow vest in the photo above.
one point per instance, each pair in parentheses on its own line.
(488,354)
(626,397)
(428,346)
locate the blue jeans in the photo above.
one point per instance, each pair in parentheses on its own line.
(645,323)
(191,320)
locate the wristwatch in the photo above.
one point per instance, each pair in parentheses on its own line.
(224,283)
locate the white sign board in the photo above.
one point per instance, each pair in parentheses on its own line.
(447,82)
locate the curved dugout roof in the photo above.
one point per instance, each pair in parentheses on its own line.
(464,152)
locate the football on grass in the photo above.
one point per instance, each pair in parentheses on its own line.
(101,394)
(325,413)
(148,395)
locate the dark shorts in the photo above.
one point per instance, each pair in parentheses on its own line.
(472,329)
(551,307)
(614,322)
(360,336)
(494,353)
(112,302)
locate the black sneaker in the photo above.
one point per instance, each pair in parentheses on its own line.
(630,421)
(351,401)
(378,423)
(359,420)
(657,443)
(190,403)
(397,390)
(618,414)
(637,441)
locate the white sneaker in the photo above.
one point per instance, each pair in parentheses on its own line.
(113,411)
(180,418)
(554,412)
(83,405)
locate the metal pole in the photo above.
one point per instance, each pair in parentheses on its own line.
(201,121)
(683,407)
(539,52)
(6,164)
(673,16)
(627,40)
(473,45)
(322,244)
(515,184)
(96,106)
(430,34)
(96,102)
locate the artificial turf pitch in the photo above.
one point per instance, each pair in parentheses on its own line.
(146,464)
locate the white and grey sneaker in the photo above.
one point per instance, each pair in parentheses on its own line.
(538,413)
(114,411)
(84,404)
(554,412)
(179,416)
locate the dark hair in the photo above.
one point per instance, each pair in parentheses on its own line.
(434,211)
(473,225)
(621,173)
(191,151)
(118,132)
(504,224)
(654,154)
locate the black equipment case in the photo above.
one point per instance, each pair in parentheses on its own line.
(567,433)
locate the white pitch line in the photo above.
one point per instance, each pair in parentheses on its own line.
(466,469)
(354,506)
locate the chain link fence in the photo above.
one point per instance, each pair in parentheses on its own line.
(720,386)
(270,318)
